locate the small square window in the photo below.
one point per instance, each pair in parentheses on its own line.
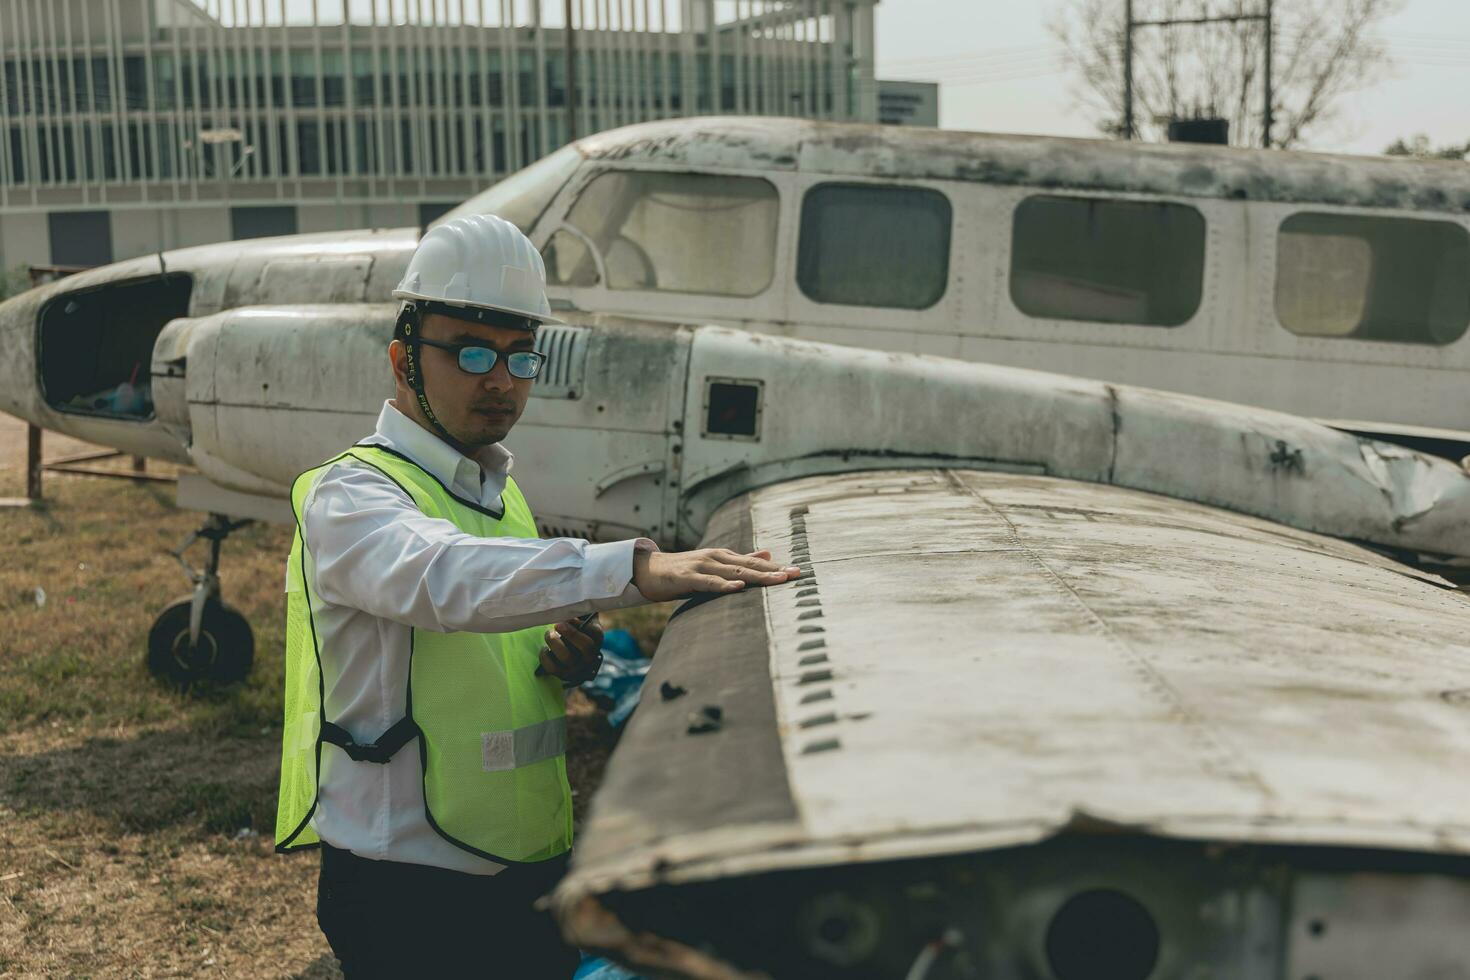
(732,408)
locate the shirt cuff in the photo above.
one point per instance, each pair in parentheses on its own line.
(631,596)
(609,567)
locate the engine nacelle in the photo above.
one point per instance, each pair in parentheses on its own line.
(271,392)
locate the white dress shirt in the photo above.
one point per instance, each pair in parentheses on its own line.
(383,568)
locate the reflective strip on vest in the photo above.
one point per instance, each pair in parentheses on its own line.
(518,747)
(510,800)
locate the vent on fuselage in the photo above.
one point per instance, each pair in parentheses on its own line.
(565,348)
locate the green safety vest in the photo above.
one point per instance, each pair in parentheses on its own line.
(491,735)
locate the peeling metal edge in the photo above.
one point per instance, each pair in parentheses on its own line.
(741,851)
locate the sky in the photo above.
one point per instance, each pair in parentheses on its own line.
(999,71)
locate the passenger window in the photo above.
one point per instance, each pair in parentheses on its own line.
(1396,279)
(680,233)
(1079,258)
(866,245)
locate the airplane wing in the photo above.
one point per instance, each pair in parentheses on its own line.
(996,695)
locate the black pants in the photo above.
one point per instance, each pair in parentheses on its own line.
(385,919)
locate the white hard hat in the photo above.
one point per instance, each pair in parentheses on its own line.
(480,261)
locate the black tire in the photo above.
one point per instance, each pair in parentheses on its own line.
(223,655)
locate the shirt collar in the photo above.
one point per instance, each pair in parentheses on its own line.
(441,460)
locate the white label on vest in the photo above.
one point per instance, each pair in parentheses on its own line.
(497,751)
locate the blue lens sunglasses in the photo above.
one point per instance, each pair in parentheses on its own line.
(473,359)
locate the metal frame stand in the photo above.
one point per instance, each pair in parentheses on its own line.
(76,465)
(33,472)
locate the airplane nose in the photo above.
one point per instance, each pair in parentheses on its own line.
(20,393)
(78,353)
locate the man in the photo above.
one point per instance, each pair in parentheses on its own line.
(423,749)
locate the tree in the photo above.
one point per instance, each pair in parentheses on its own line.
(1323,50)
(1418,146)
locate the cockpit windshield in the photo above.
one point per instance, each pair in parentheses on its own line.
(713,234)
(521,197)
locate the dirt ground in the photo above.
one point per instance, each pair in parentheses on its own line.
(135,822)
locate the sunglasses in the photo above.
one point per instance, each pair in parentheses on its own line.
(522,364)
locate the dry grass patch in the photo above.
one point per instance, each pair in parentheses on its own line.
(135,821)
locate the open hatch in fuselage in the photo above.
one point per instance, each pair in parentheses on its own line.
(96,345)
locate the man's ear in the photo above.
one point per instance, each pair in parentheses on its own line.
(398,357)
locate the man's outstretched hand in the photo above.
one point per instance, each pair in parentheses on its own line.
(664,575)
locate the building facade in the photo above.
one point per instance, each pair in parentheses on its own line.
(131,126)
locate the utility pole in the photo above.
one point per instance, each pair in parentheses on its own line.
(1128,70)
(1266,109)
(571,93)
(1130,25)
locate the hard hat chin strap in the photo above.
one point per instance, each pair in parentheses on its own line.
(406,331)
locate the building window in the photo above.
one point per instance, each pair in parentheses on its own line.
(18,155)
(682,233)
(263,222)
(80,238)
(870,245)
(308,147)
(1108,261)
(1396,279)
(303,69)
(432,211)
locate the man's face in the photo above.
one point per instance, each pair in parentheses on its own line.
(475,409)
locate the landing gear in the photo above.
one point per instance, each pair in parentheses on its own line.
(198,638)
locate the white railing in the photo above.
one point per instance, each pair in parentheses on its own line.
(133,101)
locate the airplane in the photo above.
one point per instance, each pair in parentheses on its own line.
(1330,287)
(1077,665)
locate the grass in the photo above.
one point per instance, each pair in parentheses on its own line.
(135,821)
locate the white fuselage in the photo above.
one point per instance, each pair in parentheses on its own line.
(1232,345)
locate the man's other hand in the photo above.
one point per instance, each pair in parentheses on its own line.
(664,575)
(572,654)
